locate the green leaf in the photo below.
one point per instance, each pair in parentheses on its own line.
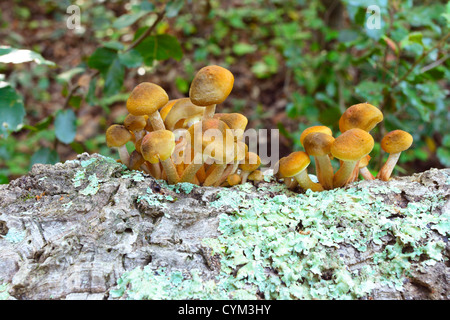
(12,55)
(12,110)
(44,156)
(102,59)
(65,126)
(243,48)
(173,7)
(159,47)
(114,78)
(67,75)
(128,19)
(108,63)
(131,59)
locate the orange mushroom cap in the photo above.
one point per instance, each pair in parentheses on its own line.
(146,98)
(363,116)
(158,146)
(211,85)
(396,141)
(307,131)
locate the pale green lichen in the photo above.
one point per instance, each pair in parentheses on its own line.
(184,187)
(134,175)
(14,235)
(78,178)
(4,295)
(92,187)
(156,200)
(161,285)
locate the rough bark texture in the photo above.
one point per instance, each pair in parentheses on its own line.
(72,230)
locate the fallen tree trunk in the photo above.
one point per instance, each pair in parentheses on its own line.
(90,229)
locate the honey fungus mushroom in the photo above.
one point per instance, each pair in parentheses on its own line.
(362,115)
(117,136)
(394,143)
(295,165)
(211,86)
(318,145)
(157,146)
(350,147)
(145,99)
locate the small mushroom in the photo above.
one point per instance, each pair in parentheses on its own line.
(224,152)
(250,163)
(318,145)
(200,135)
(136,124)
(182,110)
(363,163)
(363,116)
(136,160)
(232,180)
(256,176)
(394,143)
(236,121)
(211,86)
(312,129)
(350,147)
(116,137)
(157,146)
(295,165)
(145,99)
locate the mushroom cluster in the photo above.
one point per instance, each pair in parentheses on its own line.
(351,148)
(185,140)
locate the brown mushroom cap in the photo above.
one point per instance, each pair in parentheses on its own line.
(396,141)
(234,179)
(256,175)
(146,98)
(135,123)
(158,145)
(167,107)
(251,162)
(117,135)
(293,164)
(364,162)
(318,144)
(307,131)
(363,116)
(211,85)
(199,131)
(352,145)
(235,121)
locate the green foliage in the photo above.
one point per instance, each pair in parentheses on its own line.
(316,59)
(105,69)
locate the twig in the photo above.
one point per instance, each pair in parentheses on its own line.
(422,56)
(147,32)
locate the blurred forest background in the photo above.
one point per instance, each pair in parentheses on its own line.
(296,63)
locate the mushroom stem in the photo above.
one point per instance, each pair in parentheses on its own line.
(344,173)
(305,181)
(244,176)
(155,170)
(366,173)
(386,170)
(209,112)
(214,176)
(190,171)
(156,121)
(290,182)
(124,155)
(230,169)
(325,171)
(171,171)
